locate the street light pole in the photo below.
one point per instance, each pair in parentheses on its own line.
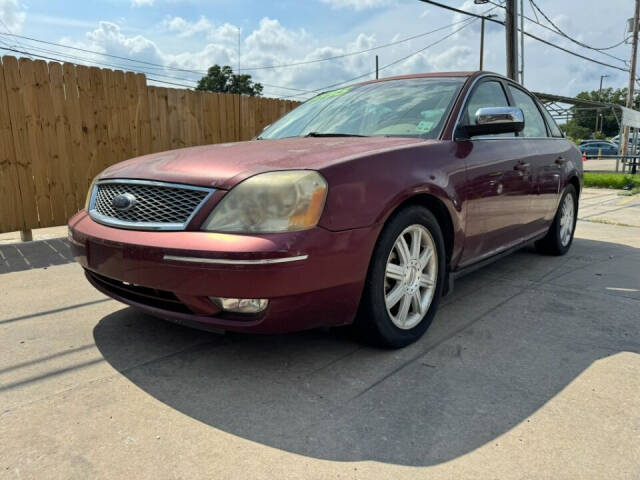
(482,39)
(600,89)
(598,116)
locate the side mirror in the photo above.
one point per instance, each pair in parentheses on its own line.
(492,121)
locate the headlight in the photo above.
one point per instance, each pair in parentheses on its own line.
(271,202)
(88,200)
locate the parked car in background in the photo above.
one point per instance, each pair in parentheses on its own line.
(598,148)
(361,205)
(630,145)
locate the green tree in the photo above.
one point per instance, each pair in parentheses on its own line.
(223,80)
(583,122)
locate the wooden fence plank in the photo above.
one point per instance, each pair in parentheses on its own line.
(154,119)
(48,145)
(11,214)
(243,124)
(188,115)
(63,136)
(198,110)
(232,117)
(173,121)
(90,166)
(23,159)
(78,149)
(112,111)
(119,97)
(101,116)
(39,155)
(131,92)
(207,118)
(163,114)
(143,115)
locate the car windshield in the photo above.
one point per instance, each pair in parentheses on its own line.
(414,107)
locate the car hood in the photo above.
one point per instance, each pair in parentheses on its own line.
(224,165)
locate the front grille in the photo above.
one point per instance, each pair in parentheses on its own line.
(156,205)
(139,294)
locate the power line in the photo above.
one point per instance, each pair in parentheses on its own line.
(94,63)
(344,55)
(530,35)
(128,67)
(468,22)
(8,30)
(559,31)
(152,65)
(265,67)
(82,65)
(166,67)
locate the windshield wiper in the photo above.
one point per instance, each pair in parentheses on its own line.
(319,134)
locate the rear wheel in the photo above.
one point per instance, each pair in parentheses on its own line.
(560,235)
(405,279)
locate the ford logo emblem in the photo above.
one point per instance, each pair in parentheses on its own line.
(123,202)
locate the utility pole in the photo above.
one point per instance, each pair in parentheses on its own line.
(481,42)
(632,77)
(376,67)
(511,32)
(521,43)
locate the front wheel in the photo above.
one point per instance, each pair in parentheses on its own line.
(560,235)
(405,279)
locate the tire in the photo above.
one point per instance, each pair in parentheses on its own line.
(380,320)
(558,240)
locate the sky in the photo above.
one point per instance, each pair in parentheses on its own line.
(192,35)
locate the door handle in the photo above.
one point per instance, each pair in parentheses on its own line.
(560,160)
(521,165)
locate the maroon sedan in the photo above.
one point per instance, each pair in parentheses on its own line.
(360,206)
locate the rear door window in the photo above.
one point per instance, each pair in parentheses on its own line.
(553,126)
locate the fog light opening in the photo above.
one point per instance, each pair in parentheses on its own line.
(241,305)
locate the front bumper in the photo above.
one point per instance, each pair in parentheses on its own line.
(311,278)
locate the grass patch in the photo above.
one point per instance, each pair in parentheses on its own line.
(613,180)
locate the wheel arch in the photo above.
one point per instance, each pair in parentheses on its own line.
(439,209)
(575,181)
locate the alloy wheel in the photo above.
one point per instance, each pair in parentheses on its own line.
(567,219)
(410,276)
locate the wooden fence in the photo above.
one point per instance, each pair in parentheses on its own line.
(61,124)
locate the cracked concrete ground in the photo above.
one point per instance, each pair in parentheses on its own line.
(531,369)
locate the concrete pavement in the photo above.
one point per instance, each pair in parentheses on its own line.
(531,369)
(605,205)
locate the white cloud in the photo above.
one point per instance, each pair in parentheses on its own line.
(12,15)
(141,3)
(197,43)
(358,4)
(108,38)
(185,28)
(225,34)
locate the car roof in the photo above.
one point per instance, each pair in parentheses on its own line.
(467,74)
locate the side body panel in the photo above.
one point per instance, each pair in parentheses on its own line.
(498,194)
(366,191)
